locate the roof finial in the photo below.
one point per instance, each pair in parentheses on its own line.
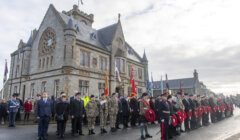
(119,16)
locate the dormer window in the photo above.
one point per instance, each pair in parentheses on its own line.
(93,36)
(77,28)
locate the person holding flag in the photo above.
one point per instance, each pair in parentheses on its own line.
(132,83)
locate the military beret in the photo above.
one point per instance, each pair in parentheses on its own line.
(144,94)
(15,95)
(92,96)
(78,93)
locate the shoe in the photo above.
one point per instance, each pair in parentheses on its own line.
(81,134)
(89,132)
(148,136)
(113,130)
(104,130)
(39,138)
(142,138)
(92,132)
(118,127)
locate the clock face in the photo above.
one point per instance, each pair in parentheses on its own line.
(47,42)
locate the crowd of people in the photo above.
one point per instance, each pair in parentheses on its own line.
(176,114)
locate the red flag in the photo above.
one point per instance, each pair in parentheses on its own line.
(106,86)
(132,82)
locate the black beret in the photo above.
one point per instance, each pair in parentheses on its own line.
(78,93)
(92,96)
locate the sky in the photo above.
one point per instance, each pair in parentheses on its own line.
(177,35)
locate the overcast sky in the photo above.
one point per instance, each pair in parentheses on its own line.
(178,35)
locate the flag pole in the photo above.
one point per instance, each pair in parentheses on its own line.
(161,85)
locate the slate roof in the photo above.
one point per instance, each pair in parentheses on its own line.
(106,34)
(175,83)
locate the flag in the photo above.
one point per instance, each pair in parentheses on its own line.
(167,84)
(5,72)
(106,86)
(132,83)
(117,74)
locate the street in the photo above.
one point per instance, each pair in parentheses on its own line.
(227,129)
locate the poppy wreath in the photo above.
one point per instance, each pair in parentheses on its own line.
(150,115)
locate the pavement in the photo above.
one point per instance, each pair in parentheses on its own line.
(227,129)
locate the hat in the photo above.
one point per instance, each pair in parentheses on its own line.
(92,96)
(191,95)
(15,95)
(78,93)
(144,94)
(63,95)
(169,97)
(179,93)
(186,94)
(164,94)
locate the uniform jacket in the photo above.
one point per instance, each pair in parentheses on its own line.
(76,108)
(62,108)
(125,107)
(163,106)
(44,109)
(134,105)
(13,105)
(92,109)
(113,106)
(144,105)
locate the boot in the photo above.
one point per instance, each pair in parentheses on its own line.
(104,130)
(89,132)
(142,137)
(148,136)
(113,129)
(92,132)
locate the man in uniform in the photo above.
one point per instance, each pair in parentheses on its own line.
(113,110)
(92,113)
(193,122)
(77,113)
(187,109)
(164,111)
(134,108)
(180,107)
(103,113)
(12,109)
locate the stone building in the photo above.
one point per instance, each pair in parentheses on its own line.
(67,54)
(190,85)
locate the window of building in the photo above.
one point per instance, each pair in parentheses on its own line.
(43,63)
(84,58)
(47,62)
(101,87)
(39,63)
(51,62)
(84,87)
(15,89)
(32,90)
(56,88)
(17,71)
(120,63)
(43,86)
(103,63)
(140,73)
(139,91)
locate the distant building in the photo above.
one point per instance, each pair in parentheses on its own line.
(188,85)
(67,54)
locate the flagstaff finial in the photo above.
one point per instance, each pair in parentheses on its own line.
(119,16)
